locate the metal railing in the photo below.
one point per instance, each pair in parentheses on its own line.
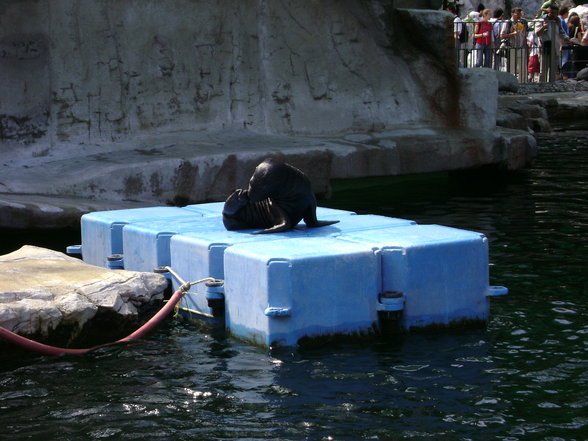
(528,56)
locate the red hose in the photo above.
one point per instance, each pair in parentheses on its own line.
(53,350)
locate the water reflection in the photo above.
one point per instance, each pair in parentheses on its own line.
(423,381)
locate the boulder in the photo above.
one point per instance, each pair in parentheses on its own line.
(478,101)
(507,82)
(582,74)
(49,296)
(522,112)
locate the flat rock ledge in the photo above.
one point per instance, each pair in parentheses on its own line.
(188,167)
(544,107)
(56,299)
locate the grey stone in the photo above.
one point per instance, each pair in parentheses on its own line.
(478,102)
(507,82)
(387,143)
(555,108)
(582,74)
(514,148)
(358,137)
(44,293)
(512,120)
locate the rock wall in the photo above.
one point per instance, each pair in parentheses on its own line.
(80,71)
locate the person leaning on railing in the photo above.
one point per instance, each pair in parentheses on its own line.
(573,49)
(514,33)
(581,61)
(514,28)
(544,7)
(459,35)
(483,38)
(552,35)
(575,29)
(500,48)
(551,19)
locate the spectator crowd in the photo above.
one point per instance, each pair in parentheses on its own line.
(551,45)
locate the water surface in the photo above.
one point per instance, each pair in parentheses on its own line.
(524,377)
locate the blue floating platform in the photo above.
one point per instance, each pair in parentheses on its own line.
(353,277)
(305,288)
(147,244)
(442,272)
(102,231)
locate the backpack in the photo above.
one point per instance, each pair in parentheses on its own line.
(463,35)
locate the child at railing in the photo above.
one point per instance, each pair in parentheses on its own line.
(534,43)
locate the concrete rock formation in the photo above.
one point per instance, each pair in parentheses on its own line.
(76,71)
(583,74)
(47,295)
(172,102)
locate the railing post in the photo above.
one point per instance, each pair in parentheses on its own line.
(554,61)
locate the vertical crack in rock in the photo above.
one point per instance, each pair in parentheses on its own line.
(114,66)
(336,44)
(264,61)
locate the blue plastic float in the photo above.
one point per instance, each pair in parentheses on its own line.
(350,278)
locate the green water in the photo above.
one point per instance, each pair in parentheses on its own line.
(524,377)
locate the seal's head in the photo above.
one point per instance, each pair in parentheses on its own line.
(235,202)
(266,179)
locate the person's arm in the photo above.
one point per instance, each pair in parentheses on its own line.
(563,35)
(504,31)
(477,29)
(540,29)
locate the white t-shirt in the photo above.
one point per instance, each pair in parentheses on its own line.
(457,25)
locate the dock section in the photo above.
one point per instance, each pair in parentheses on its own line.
(355,277)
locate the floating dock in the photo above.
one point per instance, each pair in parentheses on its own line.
(357,276)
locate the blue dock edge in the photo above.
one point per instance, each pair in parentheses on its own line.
(276,289)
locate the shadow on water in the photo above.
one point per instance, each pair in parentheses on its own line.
(55,239)
(521,378)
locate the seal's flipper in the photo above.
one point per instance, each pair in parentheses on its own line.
(281,219)
(275,229)
(311,221)
(320,223)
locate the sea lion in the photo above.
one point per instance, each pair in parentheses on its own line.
(278,197)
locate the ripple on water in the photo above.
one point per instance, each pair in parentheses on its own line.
(524,377)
